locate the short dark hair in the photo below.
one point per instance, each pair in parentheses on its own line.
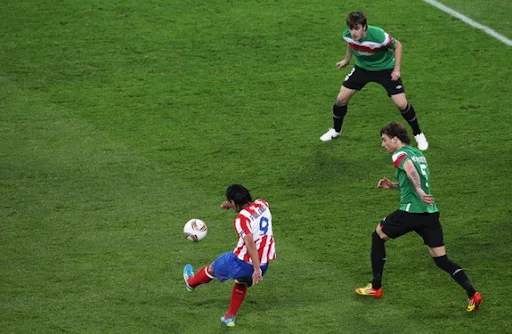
(238,194)
(395,129)
(356,18)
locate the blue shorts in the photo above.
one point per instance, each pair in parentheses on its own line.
(228,266)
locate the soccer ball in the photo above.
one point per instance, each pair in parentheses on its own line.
(195,230)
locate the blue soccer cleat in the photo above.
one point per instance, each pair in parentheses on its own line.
(188,271)
(230,322)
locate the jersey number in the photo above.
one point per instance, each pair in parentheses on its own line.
(423,168)
(264,225)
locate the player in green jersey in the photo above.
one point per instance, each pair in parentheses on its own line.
(378,59)
(418,212)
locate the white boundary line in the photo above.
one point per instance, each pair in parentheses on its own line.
(469,21)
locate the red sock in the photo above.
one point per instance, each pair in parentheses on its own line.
(237,297)
(201,277)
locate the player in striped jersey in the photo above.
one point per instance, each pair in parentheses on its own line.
(378,59)
(249,261)
(418,212)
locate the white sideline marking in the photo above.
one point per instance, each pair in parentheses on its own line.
(469,21)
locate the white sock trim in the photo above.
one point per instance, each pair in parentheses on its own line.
(207,273)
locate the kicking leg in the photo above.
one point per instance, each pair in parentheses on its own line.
(203,276)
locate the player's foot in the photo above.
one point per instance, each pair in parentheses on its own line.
(422,142)
(369,291)
(330,135)
(474,302)
(230,321)
(188,271)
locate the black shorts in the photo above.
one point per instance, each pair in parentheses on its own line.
(359,77)
(427,225)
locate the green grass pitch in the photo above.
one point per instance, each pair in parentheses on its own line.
(121,120)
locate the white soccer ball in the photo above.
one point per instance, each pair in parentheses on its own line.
(195,230)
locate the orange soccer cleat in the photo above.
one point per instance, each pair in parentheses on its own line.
(474,302)
(368,290)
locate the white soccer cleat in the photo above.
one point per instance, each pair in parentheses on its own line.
(330,135)
(422,141)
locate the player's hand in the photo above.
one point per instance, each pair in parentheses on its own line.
(226,205)
(341,64)
(385,183)
(257,276)
(395,75)
(427,198)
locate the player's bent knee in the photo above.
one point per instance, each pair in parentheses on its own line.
(247,281)
(209,270)
(401,106)
(437,251)
(344,97)
(241,282)
(400,101)
(378,233)
(340,103)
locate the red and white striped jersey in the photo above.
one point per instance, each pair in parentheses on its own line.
(256,219)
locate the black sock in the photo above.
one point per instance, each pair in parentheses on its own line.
(338,112)
(378,257)
(410,116)
(456,272)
